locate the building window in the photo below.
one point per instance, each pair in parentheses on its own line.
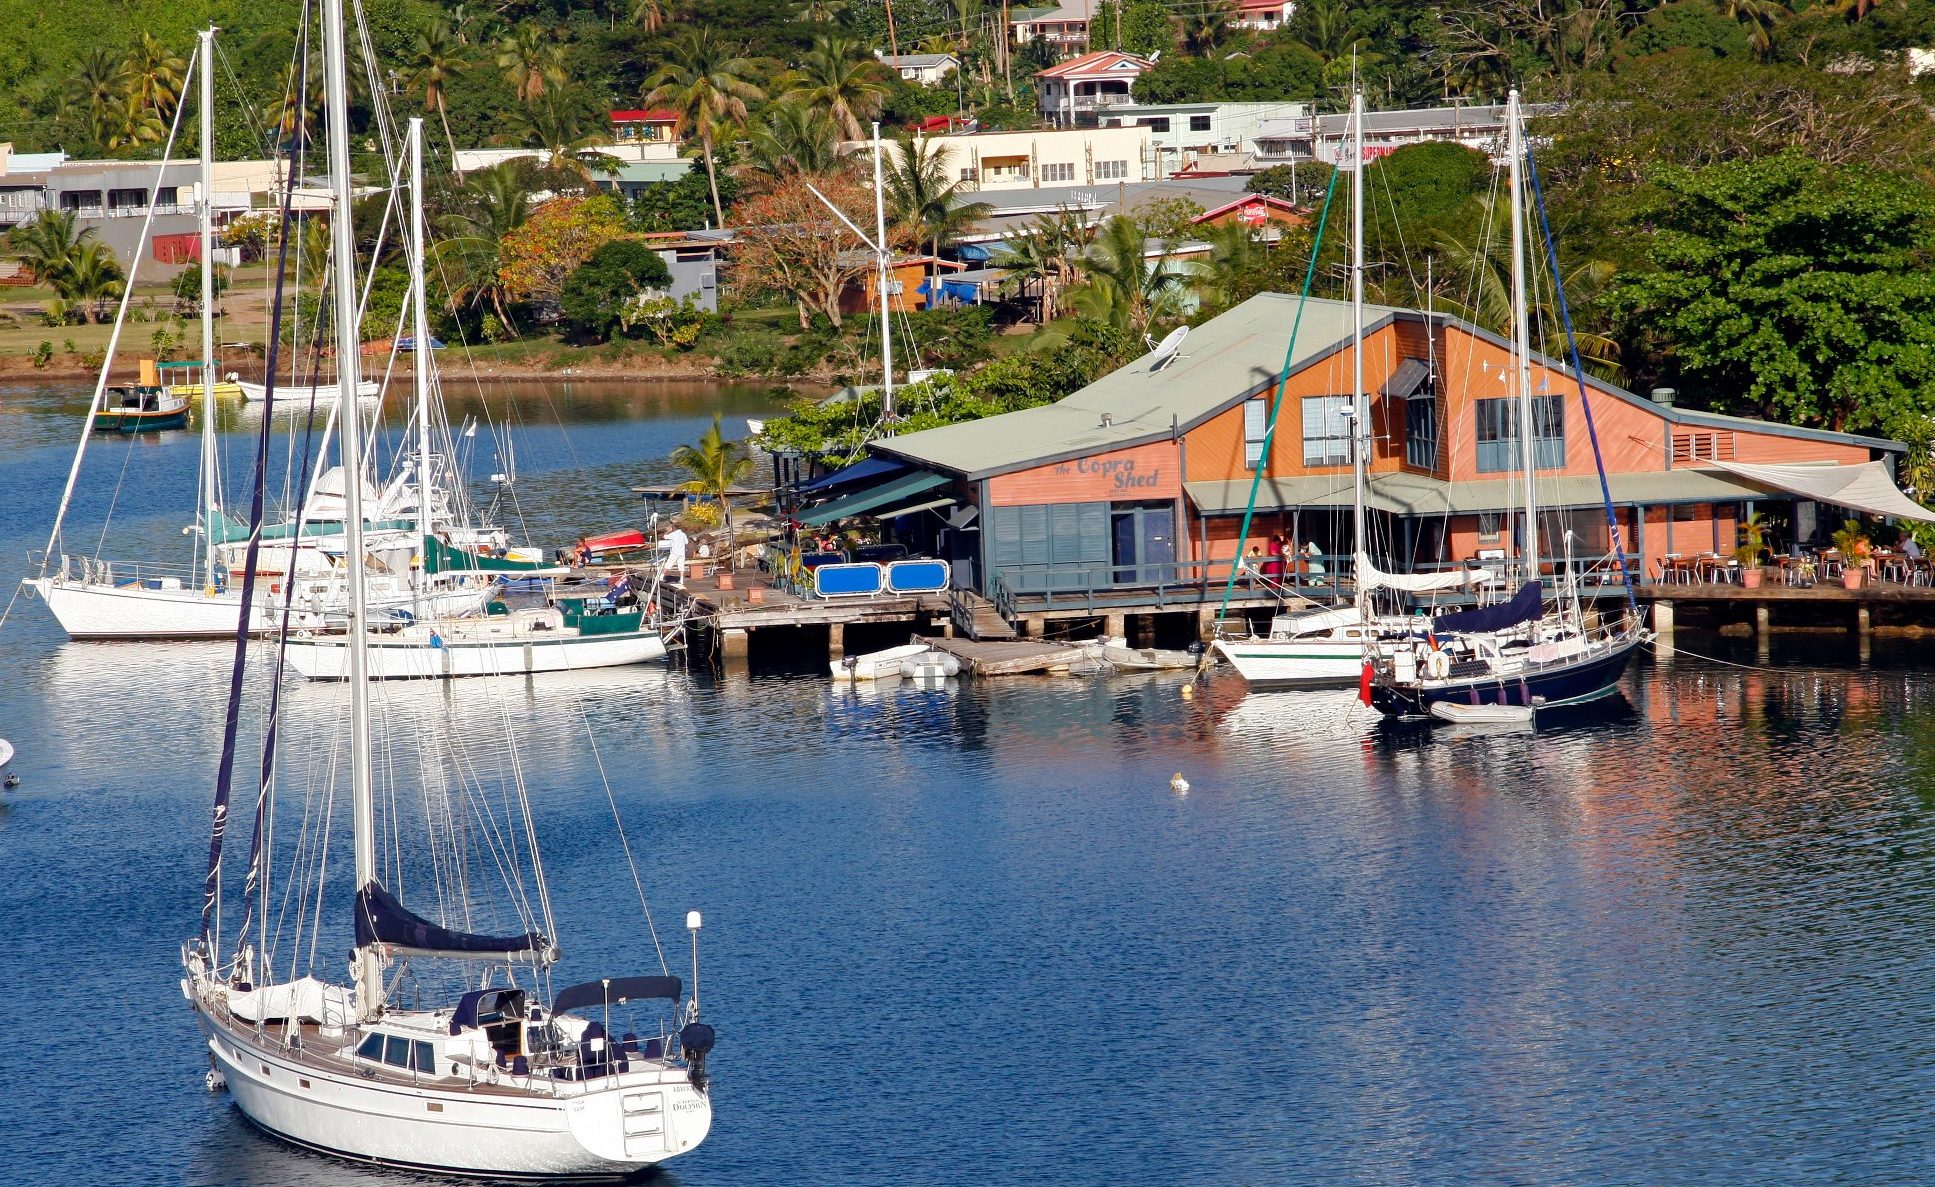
(1155,123)
(969,175)
(1199,123)
(1256,421)
(123,199)
(1060,171)
(1421,431)
(1111,170)
(1488,522)
(1498,434)
(1326,431)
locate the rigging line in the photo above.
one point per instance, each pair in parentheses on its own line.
(258,486)
(114,336)
(107,520)
(1282,386)
(598,759)
(1579,374)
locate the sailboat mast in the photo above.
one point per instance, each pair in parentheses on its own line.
(1521,336)
(369,998)
(883,257)
(211,489)
(1360,426)
(420,355)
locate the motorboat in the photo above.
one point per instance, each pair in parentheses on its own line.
(877,664)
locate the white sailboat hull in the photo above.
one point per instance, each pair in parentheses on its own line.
(1294,663)
(578,1133)
(414,657)
(325,391)
(92,610)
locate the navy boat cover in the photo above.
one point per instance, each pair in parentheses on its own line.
(381,919)
(617,989)
(1524,607)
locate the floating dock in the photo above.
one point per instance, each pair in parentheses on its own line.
(1019,657)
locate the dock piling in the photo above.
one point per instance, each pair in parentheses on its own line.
(1663,627)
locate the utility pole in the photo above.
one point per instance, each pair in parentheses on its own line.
(893,42)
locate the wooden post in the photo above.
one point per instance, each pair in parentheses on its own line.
(734,642)
(1115,626)
(1862,623)
(1663,627)
(836,640)
(1762,619)
(1205,624)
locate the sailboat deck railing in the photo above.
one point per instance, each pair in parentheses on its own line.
(87,570)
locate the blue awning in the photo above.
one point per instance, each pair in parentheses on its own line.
(861,471)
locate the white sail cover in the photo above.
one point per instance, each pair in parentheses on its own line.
(304,998)
(1865,487)
(1370,577)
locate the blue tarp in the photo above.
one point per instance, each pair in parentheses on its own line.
(973,252)
(966,294)
(1524,607)
(860,471)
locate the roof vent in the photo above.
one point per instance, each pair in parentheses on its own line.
(1108,421)
(1664,396)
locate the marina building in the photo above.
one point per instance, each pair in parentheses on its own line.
(1140,480)
(1202,136)
(1318,137)
(993,162)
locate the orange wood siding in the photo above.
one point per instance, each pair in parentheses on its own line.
(1145,473)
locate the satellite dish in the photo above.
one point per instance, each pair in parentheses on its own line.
(1167,348)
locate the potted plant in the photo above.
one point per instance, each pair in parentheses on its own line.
(1852,543)
(1747,553)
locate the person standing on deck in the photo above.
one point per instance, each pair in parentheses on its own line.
(675,542)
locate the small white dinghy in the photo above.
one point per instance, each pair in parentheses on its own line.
(1481,714)
(931,665)
(6,756)
(1145,659)
(876,664)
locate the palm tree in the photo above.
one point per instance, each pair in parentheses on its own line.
(820,12)
(94,277)
(924,200)
(531,57)
(96,90)
(1232,252)
(651,15)
(1052,249)
(1484,267)
(556,123)
(152,77)
(1206,26)
(796,138)
(491,204)
(1126,289)
(839,76)
(48,246)
(436,59)
(716,465)
(1759,17)
(709,86)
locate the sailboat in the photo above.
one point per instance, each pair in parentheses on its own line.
(1524,652)
(96,599)
(572,637)
(1318,646)
(491,1081)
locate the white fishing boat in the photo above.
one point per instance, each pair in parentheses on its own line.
(291,395)
(491,1081)
(875,665)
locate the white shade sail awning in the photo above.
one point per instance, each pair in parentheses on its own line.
(1864,487)
(1370,577)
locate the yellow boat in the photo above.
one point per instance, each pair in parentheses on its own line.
(184,379)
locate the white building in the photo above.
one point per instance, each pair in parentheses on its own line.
(1075,93)
(925,69)
(1263,15)
(1321,137)
(1217,137)
(1000,161)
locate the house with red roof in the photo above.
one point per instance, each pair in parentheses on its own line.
(1074,93)
(1263,15)
(1266,216)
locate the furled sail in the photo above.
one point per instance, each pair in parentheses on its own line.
(1370,577)
(381,919)
(1524,607)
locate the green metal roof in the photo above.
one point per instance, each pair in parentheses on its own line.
(1419,494)
(1223,361)
(861,502)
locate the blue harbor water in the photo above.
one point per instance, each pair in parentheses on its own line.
(972,934)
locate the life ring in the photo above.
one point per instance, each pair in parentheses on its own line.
(1437,665)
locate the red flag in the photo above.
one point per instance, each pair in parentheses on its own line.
(1364,684)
